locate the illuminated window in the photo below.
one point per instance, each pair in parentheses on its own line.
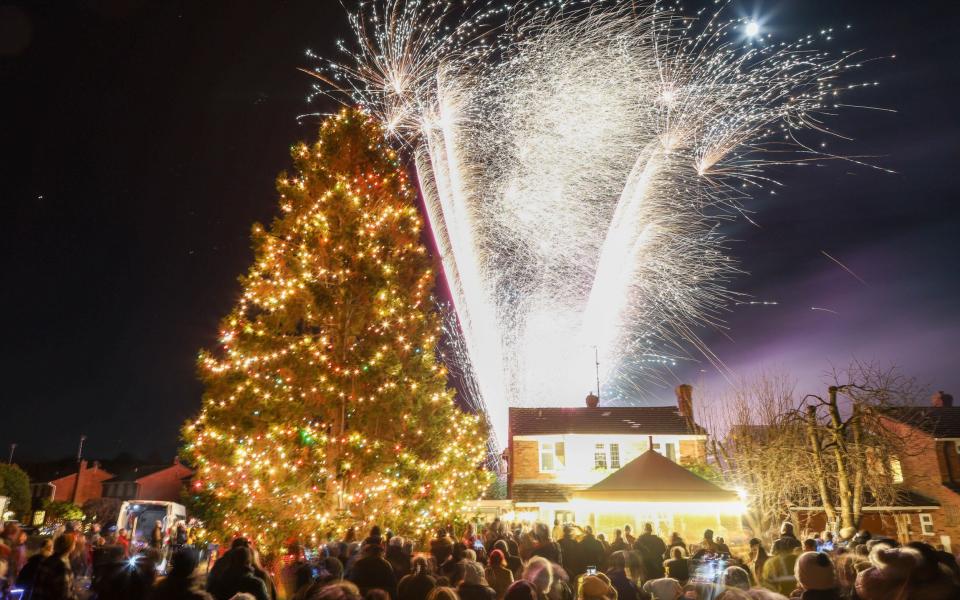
(551,457)
(926,524)
(600,456)
(614,456)
(668,449)
(896,470)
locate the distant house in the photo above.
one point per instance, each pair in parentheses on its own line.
(607,466)
(148,482)
(67,481)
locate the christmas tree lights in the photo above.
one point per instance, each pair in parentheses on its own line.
(324,404)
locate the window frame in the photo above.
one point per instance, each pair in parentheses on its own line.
(557,465)
(926,524)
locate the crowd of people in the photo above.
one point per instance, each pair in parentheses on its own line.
(498,562)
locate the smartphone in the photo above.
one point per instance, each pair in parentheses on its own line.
(478,545)
(591,570)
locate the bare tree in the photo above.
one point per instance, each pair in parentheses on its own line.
(760,448)
(852,451)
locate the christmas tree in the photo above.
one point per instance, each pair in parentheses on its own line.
(325,406)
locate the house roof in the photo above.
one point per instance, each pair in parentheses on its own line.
(536,492)
(906,498)
(637,420)
(654,478)
(938,421)
(136,472)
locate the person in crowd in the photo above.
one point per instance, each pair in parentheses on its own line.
(124,542)
(810,545)
(628,535)
(557,529)
(592,552)
(676,542)
(618,542)
(340,590)
(117,578)
(15,539)
(398,557)
(888,576)
(418,583)
(602,538)
(521,589)
(469,535)
(778,571)
(513,562)
(663,588)
(54,580)
(375,537)
(596,587)
(758,557)
(261,574)
(498,574)
(441,547)
(677,566)
(27,577)
(539,572)
(181,582)
(237,576)
(179,538)
(452,568)
(735,577)
(80,557)
(787,541)
(826,543)
(816,577)
(622,582)
(474,585)
(707,543)
(570,552)
(652,550)
(156,536)
(544,546)
(443,593)
(373,571)
(295,563)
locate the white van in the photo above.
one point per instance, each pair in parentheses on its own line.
(140,516)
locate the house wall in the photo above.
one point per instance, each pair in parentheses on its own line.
(91,481)
(930,465)
(579,455)
(163,485)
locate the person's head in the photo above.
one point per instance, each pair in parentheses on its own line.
(46,547)
(648,528)
(627,529)
(443,593)
(340,590)
(556,522)
(470,554)
(567,531)
(890,571)
(809,545)
(539,572)
(496,558)
(375,531)
(617,534)
(502,546)
(396,542)
(373,550)
(183,562)
(11,531)
(786,529)
(676,552)
(587,530)
(376,594)
(473,574)
(420,565)
(664,588)
(736,577)
(618,560)
(240,542)
(815,571)
(708,534)
(521,589)
(828,536)
(595,588)
(64,544)
(241,558)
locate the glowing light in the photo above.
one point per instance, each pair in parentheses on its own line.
(575,166)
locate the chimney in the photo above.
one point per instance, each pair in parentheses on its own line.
(83,464)
(685,400)
(176,460)
(592,400)
(942,400)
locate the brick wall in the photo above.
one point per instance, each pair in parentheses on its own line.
(526,461)
(91,482)
(692,452)
(163,485)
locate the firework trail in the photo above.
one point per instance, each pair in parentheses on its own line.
(577,160)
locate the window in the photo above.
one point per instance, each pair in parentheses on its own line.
(606,456)
(551,457)
(926,524)
(668,449)
(896,470)
(600,456)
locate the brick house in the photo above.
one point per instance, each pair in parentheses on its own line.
(149,482)
(559,457)
(67,482)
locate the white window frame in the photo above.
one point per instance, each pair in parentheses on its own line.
(926,524)
(606,449)
(661,449)
(550,447)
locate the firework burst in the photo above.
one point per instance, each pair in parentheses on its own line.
(576,160)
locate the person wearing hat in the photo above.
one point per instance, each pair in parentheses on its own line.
(595,587)
(816,577)
(474,585)
(889,573)
(373,571)
(664,588)
(181,582)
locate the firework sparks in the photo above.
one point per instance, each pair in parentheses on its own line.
(576,159)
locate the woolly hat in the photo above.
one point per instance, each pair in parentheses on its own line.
(473,573)
(814,571)
(664,588)
(594,587)
(889,573)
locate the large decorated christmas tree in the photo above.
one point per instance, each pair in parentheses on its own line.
(325,406)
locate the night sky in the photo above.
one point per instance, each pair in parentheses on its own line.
(142,140)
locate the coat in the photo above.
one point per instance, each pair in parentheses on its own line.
(499,577)
(592,553)
(778,574)
(234,581)
(415,586)
(179,588)
(373,572)
(54,579)
(470,591)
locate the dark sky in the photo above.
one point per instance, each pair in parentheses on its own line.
(142,140)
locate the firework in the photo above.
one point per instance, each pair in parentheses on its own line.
(576,160)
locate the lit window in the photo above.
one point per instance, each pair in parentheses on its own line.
(614,456)
(896,470)
(600,456)
(926,524)
(551,457)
